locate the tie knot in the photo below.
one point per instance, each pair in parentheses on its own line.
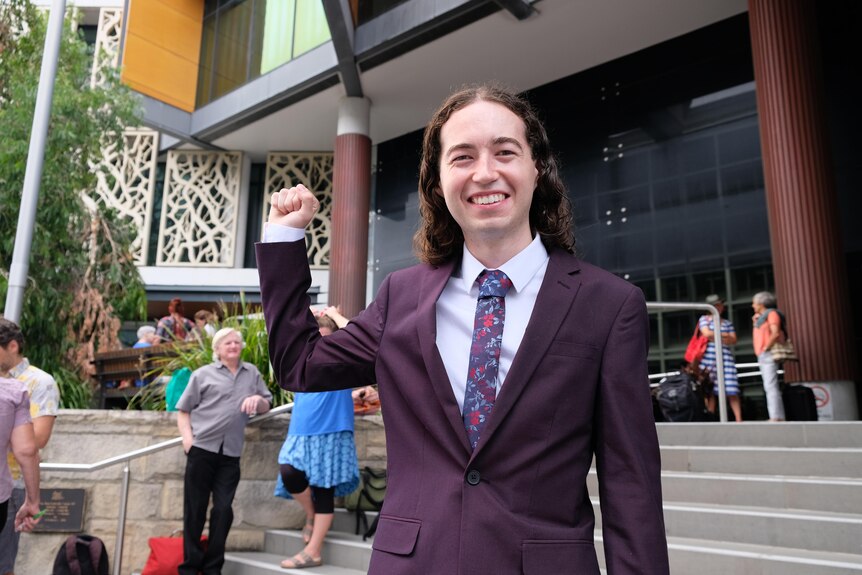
(493,283)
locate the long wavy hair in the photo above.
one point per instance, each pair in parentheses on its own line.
(439,237)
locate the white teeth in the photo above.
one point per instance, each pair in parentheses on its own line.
(485,200)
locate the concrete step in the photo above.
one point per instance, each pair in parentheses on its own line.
(260,563)
(706,557)
(342,549)
(776,491)
(815,531)
(345,521)
(763,434)
(792,461)
(689,556)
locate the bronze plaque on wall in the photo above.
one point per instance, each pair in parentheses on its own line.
(64,510)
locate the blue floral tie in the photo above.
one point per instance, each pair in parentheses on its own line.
(485,352)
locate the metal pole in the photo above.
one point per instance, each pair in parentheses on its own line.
(719,352)
(719,364)
(35,157)
(121,522)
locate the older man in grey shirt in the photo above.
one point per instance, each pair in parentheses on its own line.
(212,414)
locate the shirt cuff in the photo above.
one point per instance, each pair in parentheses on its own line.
(278,233)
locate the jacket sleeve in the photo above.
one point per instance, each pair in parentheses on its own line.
(301,359)
(628,461)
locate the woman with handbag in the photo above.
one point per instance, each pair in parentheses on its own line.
(709,363)
(317,462)
(767,330)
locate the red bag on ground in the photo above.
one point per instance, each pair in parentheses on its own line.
(166,554)
(696,347)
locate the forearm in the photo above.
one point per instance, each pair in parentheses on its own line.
(771,340)
(263,405)
(774,334)
(184,424)
(30,473)
(290,324)
(24,449)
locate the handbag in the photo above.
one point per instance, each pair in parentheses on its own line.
(696,347)
(166,554)
(783,351)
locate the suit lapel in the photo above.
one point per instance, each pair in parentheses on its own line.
(426,324)
(553,302)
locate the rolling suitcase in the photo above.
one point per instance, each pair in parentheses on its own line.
(799,404)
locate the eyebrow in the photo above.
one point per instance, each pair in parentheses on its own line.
(496,142)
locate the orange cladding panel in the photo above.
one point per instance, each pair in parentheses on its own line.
(162,49)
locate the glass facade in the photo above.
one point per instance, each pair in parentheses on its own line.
(244,39)
(660,151)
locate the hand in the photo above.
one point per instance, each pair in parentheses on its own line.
(24,520)
(249,405)
(334,312)
(293,207)
(187,444)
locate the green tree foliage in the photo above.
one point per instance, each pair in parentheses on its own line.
(81,275)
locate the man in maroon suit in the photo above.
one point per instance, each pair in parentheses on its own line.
(492,422)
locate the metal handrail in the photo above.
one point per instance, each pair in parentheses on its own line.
(127,458)
(716,335)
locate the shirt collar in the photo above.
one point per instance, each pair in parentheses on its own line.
(521,268)
(16,371)
(220,365)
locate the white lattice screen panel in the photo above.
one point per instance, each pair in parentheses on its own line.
(200,209)
(314,171)
(108,35)
(126,181)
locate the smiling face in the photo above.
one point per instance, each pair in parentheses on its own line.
(229,348)
(487,177)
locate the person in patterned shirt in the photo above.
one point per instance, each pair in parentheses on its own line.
(44,403)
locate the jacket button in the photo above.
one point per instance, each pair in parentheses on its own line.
(474,477)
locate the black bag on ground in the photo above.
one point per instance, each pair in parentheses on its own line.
(367,497)
(679,401)
(799,403)
(81,555)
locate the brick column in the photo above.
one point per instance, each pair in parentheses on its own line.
(351,197)
(810,273)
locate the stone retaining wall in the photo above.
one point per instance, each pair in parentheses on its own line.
(155,505)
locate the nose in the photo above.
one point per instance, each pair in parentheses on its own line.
(486,169)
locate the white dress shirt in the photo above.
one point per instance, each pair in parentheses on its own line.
(456,312)
(456,306)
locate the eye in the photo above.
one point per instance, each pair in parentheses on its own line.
(461,158)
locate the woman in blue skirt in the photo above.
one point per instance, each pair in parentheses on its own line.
(318,458)
(709,363)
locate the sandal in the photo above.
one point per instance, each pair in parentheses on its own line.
(301,560)
(307,531)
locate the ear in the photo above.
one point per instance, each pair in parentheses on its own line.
(438,191)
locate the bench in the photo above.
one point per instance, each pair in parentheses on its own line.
(112,367)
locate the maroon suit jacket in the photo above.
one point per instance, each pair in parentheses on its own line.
(577,388)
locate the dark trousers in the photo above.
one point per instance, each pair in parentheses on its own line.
(3,507)
(207,474)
